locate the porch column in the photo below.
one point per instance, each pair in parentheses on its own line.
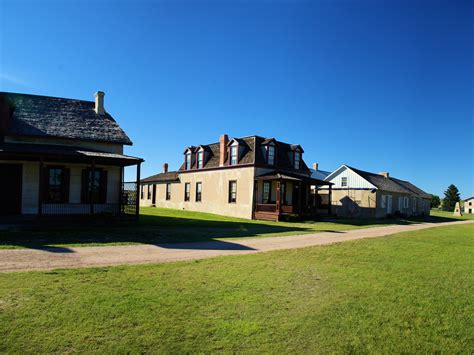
(329,199)
(41,187)
(299,197)
(120,191)
(278,197)
(137,197)
(92,185)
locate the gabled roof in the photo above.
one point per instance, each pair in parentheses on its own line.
(390,184)
(170,176)
(253,154)
(44,116)
(319,174)
(469,198)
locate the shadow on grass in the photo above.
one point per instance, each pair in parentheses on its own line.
(154,230)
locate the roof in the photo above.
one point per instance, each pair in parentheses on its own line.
(44,116)
(170,176)
(469,198)
(277,175)
(252,154)
(390,184)
(319,174)
(34,151)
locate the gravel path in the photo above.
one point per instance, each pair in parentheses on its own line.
(64,257)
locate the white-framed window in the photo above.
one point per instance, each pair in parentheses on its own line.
(297,160)
(383,201)
(187,191)
(400,203)
(198,191)
(168,191)
(188,161)
(270,155)
(344,181)
(406,202)
(266,191)
(232,191)
(200,159)
(234,155)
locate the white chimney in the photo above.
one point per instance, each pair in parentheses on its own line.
(315,166)
(99,103)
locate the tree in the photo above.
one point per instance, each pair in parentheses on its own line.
(435,201)
(451,196)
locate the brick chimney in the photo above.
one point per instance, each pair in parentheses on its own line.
(385,174)
(315,166)
(165,167)
(99,103)
(224,139)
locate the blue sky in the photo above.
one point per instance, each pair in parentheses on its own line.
(380,85)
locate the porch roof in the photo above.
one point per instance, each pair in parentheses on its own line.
(280,175)
(64,154)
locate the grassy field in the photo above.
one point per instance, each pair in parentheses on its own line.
(413,292)
(445,214)
(159,225)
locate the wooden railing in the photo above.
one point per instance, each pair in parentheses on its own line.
(266,207)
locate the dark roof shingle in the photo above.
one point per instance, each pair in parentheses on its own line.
(45,116)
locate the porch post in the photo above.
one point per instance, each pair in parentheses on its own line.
(137,197)
(299,197)
(92,185)
(40,189)
(329,199)
(278,197)
(120,191)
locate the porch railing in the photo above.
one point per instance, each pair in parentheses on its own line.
(266,207)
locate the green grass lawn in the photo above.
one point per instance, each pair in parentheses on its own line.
(408,293)
(159,225)
(445,214)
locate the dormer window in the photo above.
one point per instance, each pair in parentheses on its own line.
(270,155)
(297,160)
(188,161)
(234,151)
(200,159)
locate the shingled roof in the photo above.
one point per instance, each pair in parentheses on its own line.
(170,176)
(390,183)
(45,116)
(253,154)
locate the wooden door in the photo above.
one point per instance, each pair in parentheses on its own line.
(10,189)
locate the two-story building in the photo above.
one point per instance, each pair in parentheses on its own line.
(63,157)
(249,177)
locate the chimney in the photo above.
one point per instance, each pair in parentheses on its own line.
(165,167)
(224,139)
(99,103)
(385,174)
(315,166)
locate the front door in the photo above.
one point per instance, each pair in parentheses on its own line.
(10,189)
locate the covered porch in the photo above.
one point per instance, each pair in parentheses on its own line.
(48,180)
(279,194)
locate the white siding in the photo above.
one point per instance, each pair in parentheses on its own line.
(354,181)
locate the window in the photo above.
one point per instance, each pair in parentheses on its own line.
(198,191)
(383,202)
(400,203)
(297,160)
(200,160)
(470,203)
(406,202)
(57,185)
(232,191)
(142,192)
(344,181)
(233,155)
(168,191)
(414,205)
(266,191)
(94,186)
(187,191)
(283,193)
(188,161)
(270,155)
(149,191)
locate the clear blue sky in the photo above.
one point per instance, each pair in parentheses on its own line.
(380,85)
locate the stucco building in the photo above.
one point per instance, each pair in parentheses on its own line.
(358,193)
(469,205)
(249,177)
(63,157)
